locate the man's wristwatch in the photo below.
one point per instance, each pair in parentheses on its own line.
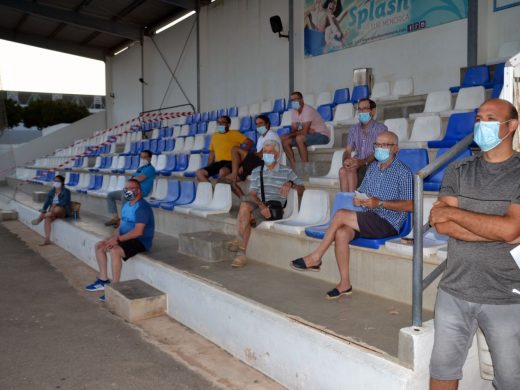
(381,204)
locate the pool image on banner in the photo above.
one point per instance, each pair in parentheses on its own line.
(333,25)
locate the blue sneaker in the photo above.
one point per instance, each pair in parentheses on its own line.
(102,298)
(98,285)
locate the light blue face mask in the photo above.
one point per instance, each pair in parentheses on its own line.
(364,117)
(268,158)
(295,104)
(261,130)
(485,134)
(382,154)
(221,128)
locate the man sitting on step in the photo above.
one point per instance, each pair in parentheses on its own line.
(277,182)
(388,196)
(135,235)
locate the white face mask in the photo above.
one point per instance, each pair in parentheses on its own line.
(56,184)
(143,162)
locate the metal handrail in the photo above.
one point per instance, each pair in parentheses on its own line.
(167,108)
(418,284)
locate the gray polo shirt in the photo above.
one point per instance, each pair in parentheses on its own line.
(273,180)
(482,272)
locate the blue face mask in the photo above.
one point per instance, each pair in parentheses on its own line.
(364,117)
(268,158)
(261,130)
(221,128)
(382,154)
(295,104)
(485,135)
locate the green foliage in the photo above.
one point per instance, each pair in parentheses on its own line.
(44,113)
(14,113)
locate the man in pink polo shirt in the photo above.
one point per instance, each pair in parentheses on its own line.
(307,128)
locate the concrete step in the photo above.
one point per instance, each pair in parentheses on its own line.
(135,300)
(8,215)
(210,246)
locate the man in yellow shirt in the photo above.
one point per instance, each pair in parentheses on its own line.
(219,161)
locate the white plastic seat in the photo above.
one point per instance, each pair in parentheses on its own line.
(436,102)
(185,130)
(468,99)
(198,142)
(161,190)
(153,161)
(254,109)
(220,204)
(380,90)
(243,111)
(399,126)
(120,162)
(290,211)
(188,144)
(425,128)
(176,131)
(193,165)
(155,133)
(401,87)
(309,100)
(120,184)
(104,187)
(212,127)
(161,162)
(235,124)
(344,115)
(203,197)
(179,145)
(266,106)
(330,126)
(332,177)
(314,210)
(323,98)
(286,118)
(84,180)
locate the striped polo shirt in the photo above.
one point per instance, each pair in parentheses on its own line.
(363,141)
(395,182)
(273,180)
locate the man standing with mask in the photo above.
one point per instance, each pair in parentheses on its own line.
(222,142)
(361,138)
(145,174)
(479,209)
(388,186)
(135,235)
(277,182)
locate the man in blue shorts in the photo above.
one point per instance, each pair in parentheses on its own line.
(135,235)
(479,209)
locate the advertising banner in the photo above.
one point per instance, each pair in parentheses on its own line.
(332,25)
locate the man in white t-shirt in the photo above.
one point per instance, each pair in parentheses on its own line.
(307,128)
(242,162)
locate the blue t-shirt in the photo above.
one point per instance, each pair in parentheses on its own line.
(146,185)
(140,212)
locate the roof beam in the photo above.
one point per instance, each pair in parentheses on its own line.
(84,21)
(58,29)
(186,4)
(52,44)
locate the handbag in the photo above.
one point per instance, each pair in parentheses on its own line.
(274,206)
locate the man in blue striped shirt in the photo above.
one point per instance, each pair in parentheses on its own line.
(388,186)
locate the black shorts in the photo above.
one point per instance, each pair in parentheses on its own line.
(372,225)
(361,172)
(250,162)
(214,168)
(131,248)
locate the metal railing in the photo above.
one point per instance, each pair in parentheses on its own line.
(169,107)
(418,284)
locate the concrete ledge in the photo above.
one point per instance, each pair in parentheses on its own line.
(135,300)
(8,215)
(207,245)
(39,196)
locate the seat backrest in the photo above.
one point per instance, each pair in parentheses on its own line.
(212,126)
(403,87)
(182,162)
(187,189)
(222,198)
(245,123)
(121,180)
(274,118)
(323,98)
(476,75)
(470,98)
(438,101)
(169,145)
(195,163)
(279,105)
(188,144)
(498,77)
(291,207)
(314,208)
(344,201)
(135,162)
(185,130)
(204,194)
(213,115)
(179,145)
(415,159)
(266,106)
(426,128)
(204,117)
(202,128)
(153,161)
(193,129)
(286,118)
(174,190)
(177,131)
(399,126)
(460,125)
(381,89)
(341,95)
(243,111)
(359,92)
(326,112)
(336,163)
(161,162)
(221,111)
(438,176)
(497,90)
(112,186)
(161,189)
(233,111)
(309,99)
(198,143)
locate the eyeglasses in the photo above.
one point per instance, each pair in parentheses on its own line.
(364,109)
(386,146)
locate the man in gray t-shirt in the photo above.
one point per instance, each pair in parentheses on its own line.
(479,209)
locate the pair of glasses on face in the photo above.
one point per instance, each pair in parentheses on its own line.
(364,109)
(386,146)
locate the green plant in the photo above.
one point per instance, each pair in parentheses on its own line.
(44,113)
(14,113)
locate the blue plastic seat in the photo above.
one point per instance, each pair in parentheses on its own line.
(207,141)
(182,162)
(497,89)
(193,130)
(73,179)
(221,111)
(274,118)
(252,135)
(204,160)
(213,115)
(202,128)
(475,75)
(204,117)
(341,95)
(135,162)
(359,92)
(189,120)
(160,146)
(284,130)
(167,132)
(245,123)
(415,159)
(187,196)
(459,126)
(232,111)
(91,183)
(498,77)
(98,183)
(171,161)
(279,106)
(433,182)
(325,111)
(153,146)
(197,117)
(174,191)
(169,144)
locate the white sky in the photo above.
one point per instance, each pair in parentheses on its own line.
(29,68)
